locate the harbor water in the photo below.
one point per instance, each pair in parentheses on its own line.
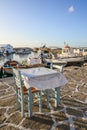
(17,57)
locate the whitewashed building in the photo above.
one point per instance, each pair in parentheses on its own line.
(6,48)
(84,51)
(67,51)
(78,51)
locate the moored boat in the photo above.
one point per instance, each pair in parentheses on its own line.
(65,61)
(59,62)
(8,65)
(11,63)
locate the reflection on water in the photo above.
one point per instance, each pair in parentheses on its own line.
(20,58)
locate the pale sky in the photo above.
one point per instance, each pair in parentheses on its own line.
(36,22)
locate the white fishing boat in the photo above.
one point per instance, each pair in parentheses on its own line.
(64,61)
(48,62)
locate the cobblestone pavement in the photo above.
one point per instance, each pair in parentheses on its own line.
(71,114)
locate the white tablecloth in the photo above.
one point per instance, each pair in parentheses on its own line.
(43,78)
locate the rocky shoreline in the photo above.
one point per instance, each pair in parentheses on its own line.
(71,114)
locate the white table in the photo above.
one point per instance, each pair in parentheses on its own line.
(44,79)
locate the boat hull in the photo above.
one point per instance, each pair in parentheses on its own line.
(65,61)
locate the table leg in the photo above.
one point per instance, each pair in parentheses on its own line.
(47,95)
(22,102)
(57,96)
(40,103)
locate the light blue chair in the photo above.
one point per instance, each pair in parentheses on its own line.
(22,92)
(54,94)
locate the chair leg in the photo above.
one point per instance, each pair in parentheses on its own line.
(30,102)
(22,104)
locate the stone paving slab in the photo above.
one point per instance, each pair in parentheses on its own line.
(71,114)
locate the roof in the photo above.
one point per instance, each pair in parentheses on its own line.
(67,46)
(4,45)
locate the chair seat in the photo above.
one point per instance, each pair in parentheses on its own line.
(33,90)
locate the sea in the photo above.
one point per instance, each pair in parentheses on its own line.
(17,57)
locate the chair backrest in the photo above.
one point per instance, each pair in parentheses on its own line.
(18,78)
(19,88)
